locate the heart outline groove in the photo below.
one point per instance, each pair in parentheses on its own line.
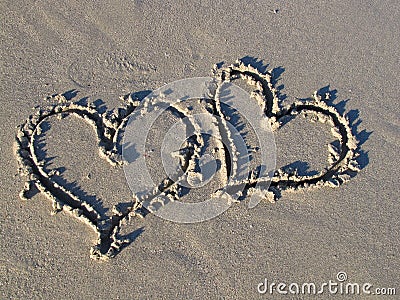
(342,160)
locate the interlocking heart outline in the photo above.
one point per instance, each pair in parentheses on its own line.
(342,157)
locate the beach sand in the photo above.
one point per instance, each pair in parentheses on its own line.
(105,49)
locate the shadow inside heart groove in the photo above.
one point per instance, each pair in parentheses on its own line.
(61,172)
(69,149)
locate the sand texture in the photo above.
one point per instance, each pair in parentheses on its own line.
(324,77)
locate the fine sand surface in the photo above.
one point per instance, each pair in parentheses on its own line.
(97,51)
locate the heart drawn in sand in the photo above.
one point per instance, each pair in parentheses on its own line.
(260,182)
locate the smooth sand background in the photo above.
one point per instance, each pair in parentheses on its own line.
(106,49)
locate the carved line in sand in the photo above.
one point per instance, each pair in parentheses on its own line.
(342,163)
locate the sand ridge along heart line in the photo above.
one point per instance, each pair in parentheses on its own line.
(342,158)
